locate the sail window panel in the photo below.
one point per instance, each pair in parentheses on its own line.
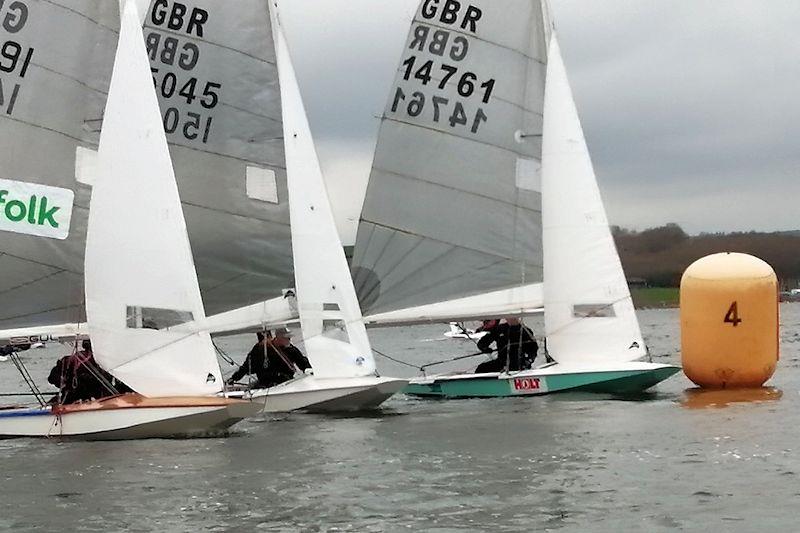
(155,318)
(529,174)
(261,185)
(593,311)
(85,165)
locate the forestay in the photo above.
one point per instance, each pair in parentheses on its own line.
(453,205)
(214,68)
(335,338)
(589,315)
(140,277)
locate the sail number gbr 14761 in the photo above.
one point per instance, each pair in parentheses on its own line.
(440,109)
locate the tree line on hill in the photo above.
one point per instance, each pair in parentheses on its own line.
(657,257)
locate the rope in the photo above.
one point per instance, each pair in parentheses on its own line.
(459,358)
(435,363)
(464,330)
(225,357)
(415,367)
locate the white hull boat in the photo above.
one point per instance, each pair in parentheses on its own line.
(313,394)
(129,416)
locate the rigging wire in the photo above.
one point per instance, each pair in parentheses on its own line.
(459,358)
(225,357)
(27,377)
(390,358)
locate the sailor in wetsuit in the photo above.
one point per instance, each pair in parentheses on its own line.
(79,378)
(516,347)
(273,360)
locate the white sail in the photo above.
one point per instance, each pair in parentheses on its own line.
(453,205)
(589,315)
(335,338)
(140,277)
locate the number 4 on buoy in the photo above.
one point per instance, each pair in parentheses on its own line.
(732,316)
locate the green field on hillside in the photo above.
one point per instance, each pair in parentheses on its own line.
(646,297)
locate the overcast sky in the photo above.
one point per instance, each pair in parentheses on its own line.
(690,107)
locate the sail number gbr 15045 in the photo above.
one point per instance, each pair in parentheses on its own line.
(192,125)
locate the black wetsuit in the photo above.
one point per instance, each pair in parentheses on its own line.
(76,377)
(515,344)
(274,369)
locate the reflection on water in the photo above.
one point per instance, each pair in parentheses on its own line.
(697,398)
(568,462)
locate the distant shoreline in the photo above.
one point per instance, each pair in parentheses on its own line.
(655,297)
(669,297)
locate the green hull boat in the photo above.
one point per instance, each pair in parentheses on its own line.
(620,379)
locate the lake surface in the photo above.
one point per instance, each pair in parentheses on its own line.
(668,460)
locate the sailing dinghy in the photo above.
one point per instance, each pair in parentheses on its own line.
(482,192)
(143,305)
(335,338)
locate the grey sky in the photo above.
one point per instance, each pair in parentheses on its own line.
(689,107)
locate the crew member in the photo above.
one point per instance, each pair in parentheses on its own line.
(515,344)
(79,378)
(273,360)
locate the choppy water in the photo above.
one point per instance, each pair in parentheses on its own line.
(561,462)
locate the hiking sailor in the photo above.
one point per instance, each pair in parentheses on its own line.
(516,346)
(273,360)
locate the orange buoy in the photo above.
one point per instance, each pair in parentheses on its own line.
(729,321)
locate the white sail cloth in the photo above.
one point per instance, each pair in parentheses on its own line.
(335,339)
(140,276)
(589,315)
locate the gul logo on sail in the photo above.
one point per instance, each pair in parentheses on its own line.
(35,209)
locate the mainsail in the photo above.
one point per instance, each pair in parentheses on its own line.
(453,205)
(225,139)
(140,277)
